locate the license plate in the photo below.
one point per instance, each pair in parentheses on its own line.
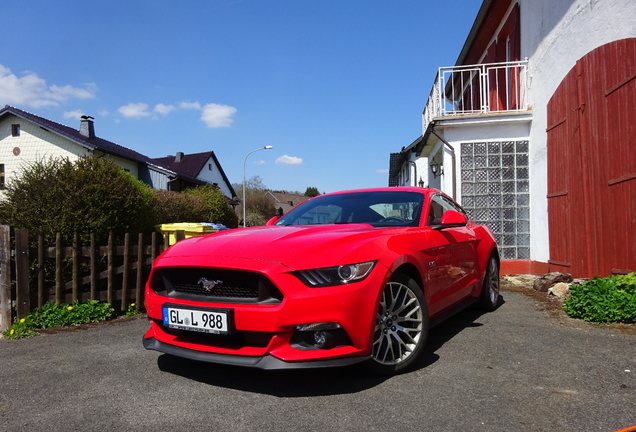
(203,320)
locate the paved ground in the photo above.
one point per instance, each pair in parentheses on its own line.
(521,368)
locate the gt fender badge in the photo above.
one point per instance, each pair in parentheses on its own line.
(208,284)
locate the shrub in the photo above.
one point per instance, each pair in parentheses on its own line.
(85,196)
(218,209)
(171,207)
(611,299)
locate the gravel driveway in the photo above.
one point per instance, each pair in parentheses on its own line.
(520,368)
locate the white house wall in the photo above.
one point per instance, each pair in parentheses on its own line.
(34,143)
(554,35)
(476,129)
(37,144)
(211,174)
(131,166)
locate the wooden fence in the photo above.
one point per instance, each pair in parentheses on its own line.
(17,299)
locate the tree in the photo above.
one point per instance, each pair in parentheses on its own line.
(311,192)
(260,204)
(90,195)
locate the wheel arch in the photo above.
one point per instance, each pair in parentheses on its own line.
(411,271)
(493,251)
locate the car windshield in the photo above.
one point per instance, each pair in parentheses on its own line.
(379,209)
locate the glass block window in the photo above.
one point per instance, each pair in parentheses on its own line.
(496,192)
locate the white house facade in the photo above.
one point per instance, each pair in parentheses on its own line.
(26,138)
(485,123)
(213,173)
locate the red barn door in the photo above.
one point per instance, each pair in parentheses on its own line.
(592,164)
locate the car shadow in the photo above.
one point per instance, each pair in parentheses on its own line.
(447,330)
(281,383)
(312,382)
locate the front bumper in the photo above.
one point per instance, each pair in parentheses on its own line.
(352,306)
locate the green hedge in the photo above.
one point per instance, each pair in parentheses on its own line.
(89,195)
(94,195)
(171,207)
(218,209)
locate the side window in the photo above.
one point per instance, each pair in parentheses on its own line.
(439,204)
(452,206)
(435,211)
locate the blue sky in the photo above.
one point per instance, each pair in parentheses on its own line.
(333,86)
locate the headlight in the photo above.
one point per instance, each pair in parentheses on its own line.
(339,275)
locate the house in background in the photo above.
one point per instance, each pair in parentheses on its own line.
(196,168)
(26,138)
(531,131)
(284,201)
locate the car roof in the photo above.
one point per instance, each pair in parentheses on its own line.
(425,191)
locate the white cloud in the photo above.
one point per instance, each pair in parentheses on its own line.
(73,114)
(103,113)
(63,93)
(32,90)
(260,162)
(214,115)
(190,105)
(289,160)
(163,109)
(217,115)
(135,110)
(382,171)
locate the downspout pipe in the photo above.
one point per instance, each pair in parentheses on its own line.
(452,161)
(414,173)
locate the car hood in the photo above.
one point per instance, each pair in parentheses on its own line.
(297,247)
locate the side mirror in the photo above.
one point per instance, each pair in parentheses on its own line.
(451,219)
(272,221)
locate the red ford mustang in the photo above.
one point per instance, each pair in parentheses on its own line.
(342,278)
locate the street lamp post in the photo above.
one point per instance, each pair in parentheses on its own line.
(245,160)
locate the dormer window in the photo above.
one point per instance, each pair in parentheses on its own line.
(15,130)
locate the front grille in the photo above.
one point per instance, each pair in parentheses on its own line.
(233,286)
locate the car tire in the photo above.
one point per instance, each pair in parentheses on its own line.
(401,327)
(490,290)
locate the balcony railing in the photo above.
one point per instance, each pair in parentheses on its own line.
(478,89)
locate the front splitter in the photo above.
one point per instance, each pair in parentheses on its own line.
(266,362)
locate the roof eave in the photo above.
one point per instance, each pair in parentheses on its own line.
(479,20)
(8,110)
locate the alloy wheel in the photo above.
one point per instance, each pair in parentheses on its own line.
(493,280)
(398,328)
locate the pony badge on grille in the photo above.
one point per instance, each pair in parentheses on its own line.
(209,284)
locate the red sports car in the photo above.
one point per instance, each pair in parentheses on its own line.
(342,278)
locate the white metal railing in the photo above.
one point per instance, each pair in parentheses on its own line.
(478,89)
